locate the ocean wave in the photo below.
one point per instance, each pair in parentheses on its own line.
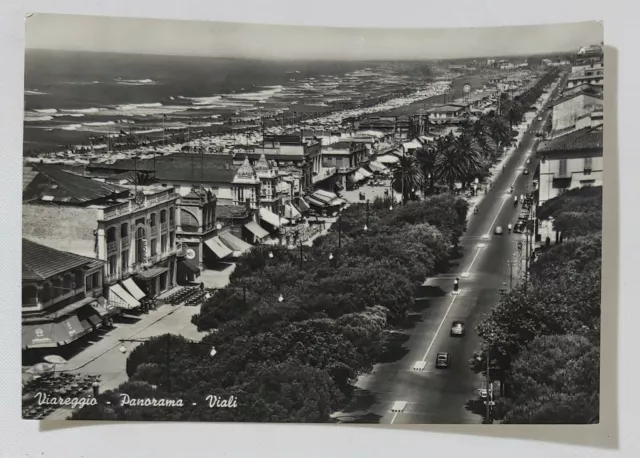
(134,106)
(47,111)
(33,92)
(98,123)
(72,127)
(263,95)
(82,110)
(142,82)
(31,118)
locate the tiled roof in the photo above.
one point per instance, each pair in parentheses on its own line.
(588,138)
(587,92)
(181,167)
(40,262)
(57,185)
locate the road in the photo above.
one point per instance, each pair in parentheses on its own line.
(411,390)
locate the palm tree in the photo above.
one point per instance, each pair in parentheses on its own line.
(499,132)
(458,161)
(514,114)
(407,177)
(426,158)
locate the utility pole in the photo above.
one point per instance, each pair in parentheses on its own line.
(489,388)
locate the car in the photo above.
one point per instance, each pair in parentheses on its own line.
(498,230)
(539,118)
(525,172)
(518,228)
(457,328)
(528,160)
(443,360)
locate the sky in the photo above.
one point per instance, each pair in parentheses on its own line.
(223,39)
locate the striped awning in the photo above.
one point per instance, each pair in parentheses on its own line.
(238,246)
(364,172)
(256,230)
(132,288)
(272,218)
(291,212)
(218,248)
(116,294)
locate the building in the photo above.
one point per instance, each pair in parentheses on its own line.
(570,107)
(446,112)
(569,161)
(62,297)
(134,232)
(590,75)
(181,171)
(344,154)
(589,54)
(304,154)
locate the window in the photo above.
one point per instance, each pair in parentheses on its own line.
(111,234)
(96,280)
(172,240)
(562,168)
(45,294)
(124,230)
(163,216)
(113,264)
(125,260)
(56,286)
(79,280)
(152,220)
(89,282)
(140,245)
(29,296)
(172,212)
(154,249)
(588,164)
(163,243)
(67,283)
(188,222)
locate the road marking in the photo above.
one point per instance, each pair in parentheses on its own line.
(419,366)
(394,417)
(497,214)
(397,407)
(435,336)
(474,259)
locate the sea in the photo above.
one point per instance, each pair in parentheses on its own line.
(73,98)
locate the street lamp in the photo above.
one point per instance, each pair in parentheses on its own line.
(366,226)
(280,298)
(330,256)
(271,254)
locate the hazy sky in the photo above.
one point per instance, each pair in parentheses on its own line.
(153,36)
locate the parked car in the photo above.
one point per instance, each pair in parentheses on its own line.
(498,230)
(525,172)
(539,118)
(518,228)
(443,360)
(457,328)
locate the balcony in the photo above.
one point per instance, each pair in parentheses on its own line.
(153,230)
(112,277)
(164,226)
(112,246)
(125,241)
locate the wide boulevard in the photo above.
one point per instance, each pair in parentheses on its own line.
(410,389)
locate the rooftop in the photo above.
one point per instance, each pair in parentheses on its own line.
(231,211)
(588,138)
(589,92)
(40,262)
(53,184)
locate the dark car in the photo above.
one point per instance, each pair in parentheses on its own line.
(442,360)
(518,228)
(457,328)
(525,172)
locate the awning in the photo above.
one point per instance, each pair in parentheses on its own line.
(256,230)
(377,166)
(388,159)
(238,246)
(116,294)
(152,273)
(413,144)
(133,289)
(313,201)
(187,266)
(218,248)
(272,218)
(291,212)
(302,204)
(46,335)
(357,176)
(324,196)
(364,172)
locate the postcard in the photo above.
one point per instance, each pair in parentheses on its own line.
(259,223)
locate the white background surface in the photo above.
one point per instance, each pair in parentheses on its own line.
(29,438)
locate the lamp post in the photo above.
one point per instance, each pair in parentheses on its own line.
(366,226)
